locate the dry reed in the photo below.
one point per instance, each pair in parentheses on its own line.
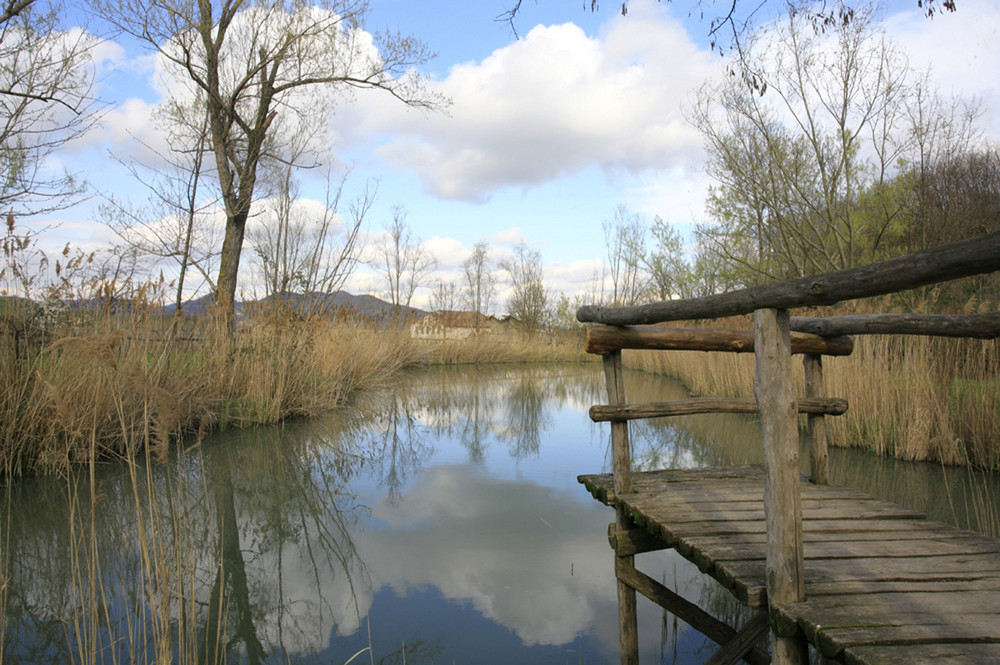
(511,347)
(914,398)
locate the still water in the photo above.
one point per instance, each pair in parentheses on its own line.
(436,522)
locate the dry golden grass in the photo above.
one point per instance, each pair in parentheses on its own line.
(914,398)
(514,347)
(115,385)
(119,385)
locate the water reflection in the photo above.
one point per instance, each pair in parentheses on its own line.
(439,520)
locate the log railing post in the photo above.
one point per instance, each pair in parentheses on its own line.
(621,466)
(775,392)
(819,457)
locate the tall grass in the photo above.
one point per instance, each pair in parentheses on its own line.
(510,347)
(915,398)
(111,386)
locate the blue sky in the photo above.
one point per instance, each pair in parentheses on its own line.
(548,131)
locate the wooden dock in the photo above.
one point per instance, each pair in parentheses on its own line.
(882,584)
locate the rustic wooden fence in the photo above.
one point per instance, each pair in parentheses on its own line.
(776,336)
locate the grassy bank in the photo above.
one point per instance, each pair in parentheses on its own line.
(110,386)
(914,398)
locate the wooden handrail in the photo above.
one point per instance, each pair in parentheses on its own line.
(960,259)
(828,406)
(980,326)
(605,339)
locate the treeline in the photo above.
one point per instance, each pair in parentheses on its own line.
(829,152)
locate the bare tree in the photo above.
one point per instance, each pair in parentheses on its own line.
(174,224)
(46,100)
(479,282)
(251,60)
(792,165)
(309,252)
(444,298)
(731,21)
(625,239)
(405,264)
(528,302)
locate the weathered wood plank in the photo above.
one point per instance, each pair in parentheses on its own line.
(961,653)
(775,393)
(685,407)
(621,454)
(819,457)
(848,631)
(605,339)
(733,650)
(629,542)
(685,610)
(985,325)
(962,259)
(876,589)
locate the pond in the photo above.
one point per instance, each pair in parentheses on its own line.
(436,522)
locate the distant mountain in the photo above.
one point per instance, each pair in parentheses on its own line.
(341,303)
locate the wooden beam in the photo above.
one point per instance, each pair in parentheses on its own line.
(819,454)
(685,610)
(832,406)
(605,339)
(733,650)
(979,326)
(633,541)
(621,465)
(775,392)
(961,259)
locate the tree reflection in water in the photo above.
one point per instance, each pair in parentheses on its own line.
(439,519)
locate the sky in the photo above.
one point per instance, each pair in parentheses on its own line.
(548,129)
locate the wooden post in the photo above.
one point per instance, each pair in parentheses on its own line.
(775,392)
(819,457)
(621,466)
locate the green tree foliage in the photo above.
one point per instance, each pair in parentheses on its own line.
(834,165)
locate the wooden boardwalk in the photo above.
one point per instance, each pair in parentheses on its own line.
(883,584)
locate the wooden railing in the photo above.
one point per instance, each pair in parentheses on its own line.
(776,336)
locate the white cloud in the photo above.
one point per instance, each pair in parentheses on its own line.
(511,236)
(551,104)
(574,278)
(448,252)
(960,49)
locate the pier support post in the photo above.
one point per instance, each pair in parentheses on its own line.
(775,392)
(621,461)
(819,456)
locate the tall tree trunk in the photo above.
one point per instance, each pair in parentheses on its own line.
(229,267)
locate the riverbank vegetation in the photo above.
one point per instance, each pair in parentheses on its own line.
(104,385)
(914,398)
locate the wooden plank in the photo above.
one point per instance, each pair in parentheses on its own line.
(844,632)
(985,325)
(629,542)
(686,407)
(733,650)
(961,259)
(684,610)
(876,589)
(775,393)
(819,457)
(961,653)
(606,339)
(628,622)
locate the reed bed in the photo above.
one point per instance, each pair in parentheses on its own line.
(109,385)
(914,398)
(512,347)
(112,386)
